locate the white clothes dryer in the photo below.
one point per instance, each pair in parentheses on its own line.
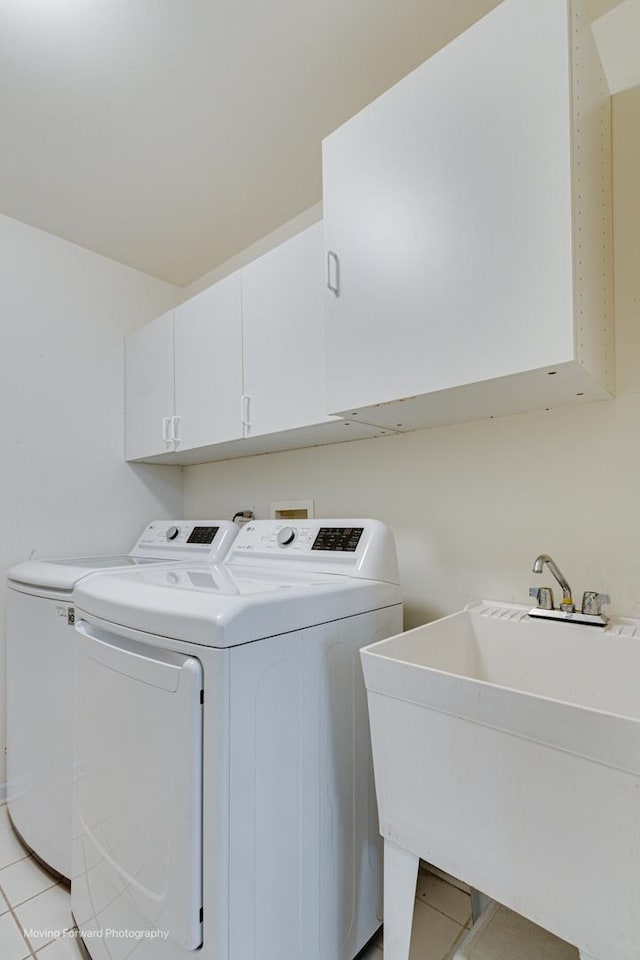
(40,635)
(224,796)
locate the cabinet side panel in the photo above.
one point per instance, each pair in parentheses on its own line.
(148,387)
(592,203)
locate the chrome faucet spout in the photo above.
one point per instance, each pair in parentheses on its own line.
(539,562)
(557,573)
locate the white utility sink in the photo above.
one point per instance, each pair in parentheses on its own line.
(507,752)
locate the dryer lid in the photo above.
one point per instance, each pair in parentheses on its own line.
(226,605)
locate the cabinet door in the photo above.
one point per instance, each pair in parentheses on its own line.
(283,327)
(149,388)
(208,366)
(447,212)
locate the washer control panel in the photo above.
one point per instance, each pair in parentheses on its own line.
(178,534)
(202,535)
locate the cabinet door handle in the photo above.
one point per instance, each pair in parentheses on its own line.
(175,423)
(165,429)
(245,407)
(334,286)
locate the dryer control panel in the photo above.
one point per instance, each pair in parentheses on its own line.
(358,548)
(186,539)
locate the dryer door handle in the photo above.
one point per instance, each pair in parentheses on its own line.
(157,667)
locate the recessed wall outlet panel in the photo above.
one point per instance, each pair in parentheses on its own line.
(292,510)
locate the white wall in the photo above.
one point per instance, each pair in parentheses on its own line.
(289,229)
(473,504)
(64,485)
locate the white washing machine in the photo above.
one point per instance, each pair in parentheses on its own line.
(40,615)
(224,799)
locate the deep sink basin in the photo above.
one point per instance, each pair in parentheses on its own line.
(507,751)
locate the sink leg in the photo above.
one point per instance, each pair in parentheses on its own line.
(400,875)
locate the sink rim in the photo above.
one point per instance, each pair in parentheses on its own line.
(509,612)
(601,735)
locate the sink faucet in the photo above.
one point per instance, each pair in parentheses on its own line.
(591,612)
(567,601)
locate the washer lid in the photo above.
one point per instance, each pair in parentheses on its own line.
(62,575)
(223,606)
(160,541)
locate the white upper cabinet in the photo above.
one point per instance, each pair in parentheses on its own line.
(149,389)
(467,229)
(283,327)
(238,369)
(208,366)
(183,375)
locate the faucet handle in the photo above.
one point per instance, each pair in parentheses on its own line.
(544,596)
(592,602)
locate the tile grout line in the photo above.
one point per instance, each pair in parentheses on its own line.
(9,830)
(18,924)
(427,903)
(456,943)
(12,863)
(449,952)
(56,883)
(27,856)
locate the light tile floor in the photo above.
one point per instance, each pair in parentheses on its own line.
(36,921)
(441,918)
(35,908)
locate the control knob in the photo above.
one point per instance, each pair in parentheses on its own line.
(286,536)
(172,533)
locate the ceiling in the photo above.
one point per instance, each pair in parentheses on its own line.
(171,134)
